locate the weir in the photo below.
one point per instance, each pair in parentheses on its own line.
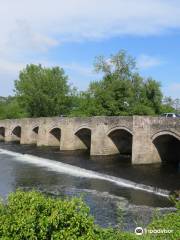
(81,172)
(146,139)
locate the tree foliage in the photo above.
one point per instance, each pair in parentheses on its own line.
(10,108)
(43,91)
(121,91)
(34,216)
(170,221)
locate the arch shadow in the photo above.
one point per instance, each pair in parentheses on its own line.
(167,144)
(2,133)
(16,133)
(122,138)
(34,135)
(36,130)
(54,137)
(84,134)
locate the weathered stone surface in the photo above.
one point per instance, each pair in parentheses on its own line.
(100,134)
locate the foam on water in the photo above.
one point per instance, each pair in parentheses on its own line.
(80,172)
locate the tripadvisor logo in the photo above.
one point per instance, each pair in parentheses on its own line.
(140,231)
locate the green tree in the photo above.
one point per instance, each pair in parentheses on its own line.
(120,65)
(167,105)
(33,216)
(10,108)
(154,94)
(139,103)
(43,91)
(122,91)
(111,94)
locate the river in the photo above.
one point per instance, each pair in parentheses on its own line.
(118,193)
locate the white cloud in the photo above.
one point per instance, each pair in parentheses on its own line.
(79,74)
(34,26)
(23,37)
(30,28)
(10,67)
(43,24)
(146,61)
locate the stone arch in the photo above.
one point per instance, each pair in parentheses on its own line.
(122,138)
(54,136)
(2,133)
(34,134)
(84,135)
(167,144)
(165,132)
(16,134)
(35,129)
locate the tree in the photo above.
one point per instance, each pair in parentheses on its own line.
(120,64)
(43,91)
(167,105)
(10,108)
(32,215)
(154,94)
(111,94)
(121,91)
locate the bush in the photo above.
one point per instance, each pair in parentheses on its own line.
(31,215)
(170,221)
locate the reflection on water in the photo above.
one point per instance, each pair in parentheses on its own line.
(106,200)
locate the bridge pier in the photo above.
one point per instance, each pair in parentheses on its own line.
(12,130)
(43,135)
(101,144)
(143,150)
(68,139)
(28,137)
(8,136)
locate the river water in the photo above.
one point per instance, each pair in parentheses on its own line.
(118,194)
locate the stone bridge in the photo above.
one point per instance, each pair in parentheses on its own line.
(146,139)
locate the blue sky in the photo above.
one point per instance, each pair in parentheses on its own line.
(70,34)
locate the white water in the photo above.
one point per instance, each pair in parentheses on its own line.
(80,172)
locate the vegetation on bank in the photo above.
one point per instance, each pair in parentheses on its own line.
(42,92)
(31,215)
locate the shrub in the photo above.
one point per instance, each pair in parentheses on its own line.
(31,215)
(170,221)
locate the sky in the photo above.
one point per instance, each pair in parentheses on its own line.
(71,33)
